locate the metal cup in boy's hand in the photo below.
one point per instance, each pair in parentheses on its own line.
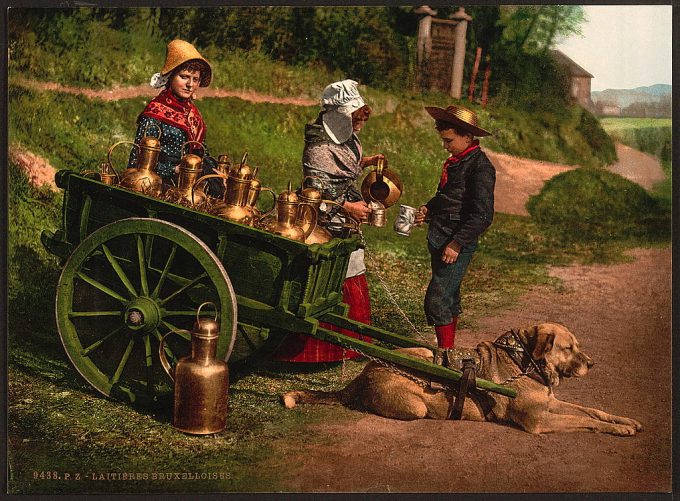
(405,220)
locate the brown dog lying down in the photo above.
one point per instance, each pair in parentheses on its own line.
(556,353)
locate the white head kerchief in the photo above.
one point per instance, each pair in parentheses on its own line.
(158,80)
(339,100)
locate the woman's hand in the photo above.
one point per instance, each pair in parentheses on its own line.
(421,215)
(372,160)
(450,252)
(358,210)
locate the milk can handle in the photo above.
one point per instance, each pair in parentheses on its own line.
(273,206)
(108,156)
(200,180)
(151,124)
(244,158)
(379,170)
(161,353)
(198,313)
(313,214)
(194,142)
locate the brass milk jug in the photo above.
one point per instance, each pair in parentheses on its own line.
(185,192)
(234,205)
(144,178)
(290,214)
(319,234)
(201,381)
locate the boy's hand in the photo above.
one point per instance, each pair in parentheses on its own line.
(358,210)
(451,251)
(421,215)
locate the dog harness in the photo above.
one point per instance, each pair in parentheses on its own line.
(512,343)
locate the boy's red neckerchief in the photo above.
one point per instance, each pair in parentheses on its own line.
(181,114)
(454,159)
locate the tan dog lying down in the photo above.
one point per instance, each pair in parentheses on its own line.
(535,409)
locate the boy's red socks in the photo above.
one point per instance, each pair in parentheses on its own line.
(446,334)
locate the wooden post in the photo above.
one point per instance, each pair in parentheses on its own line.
(473,78)
(459,52)
(485,86)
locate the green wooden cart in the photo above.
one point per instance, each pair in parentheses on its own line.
(136,267)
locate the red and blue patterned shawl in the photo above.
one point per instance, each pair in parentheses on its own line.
(181,114)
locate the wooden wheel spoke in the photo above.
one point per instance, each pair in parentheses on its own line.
(149,363)
(119,271)
(184,288)
(123,362)
(142,265)
(78,314)
(177,330)
(164,274)
(100,286)
(180,313)
(97,344)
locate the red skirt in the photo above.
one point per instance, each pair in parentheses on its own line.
(304,348)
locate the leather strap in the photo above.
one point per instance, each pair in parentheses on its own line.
(467,382)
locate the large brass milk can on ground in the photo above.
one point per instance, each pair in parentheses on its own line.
(201,381)
(290,215)
(187,192)
(143,177)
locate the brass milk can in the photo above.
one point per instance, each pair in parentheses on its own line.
(190,169)
(144,178)
(290,214)
(201,381)
(234,205)
(313,197)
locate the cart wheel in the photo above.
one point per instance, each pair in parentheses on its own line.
(126,285)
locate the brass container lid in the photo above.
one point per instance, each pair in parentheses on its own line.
(151,143)
(288,196)
(310,195)
(191,162)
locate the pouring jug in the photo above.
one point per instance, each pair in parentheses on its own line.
(201,381)
(382,185)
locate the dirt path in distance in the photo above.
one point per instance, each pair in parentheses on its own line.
(621,315)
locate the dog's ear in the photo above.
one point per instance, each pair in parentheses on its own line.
(542,344)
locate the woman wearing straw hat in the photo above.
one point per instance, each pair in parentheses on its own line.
(460,211)
(174,111)
(334,156)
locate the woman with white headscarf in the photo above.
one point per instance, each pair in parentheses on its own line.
(333,155)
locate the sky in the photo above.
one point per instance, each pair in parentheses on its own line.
(624,46)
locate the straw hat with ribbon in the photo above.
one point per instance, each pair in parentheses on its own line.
(339,100)
(178,53)
(459,117)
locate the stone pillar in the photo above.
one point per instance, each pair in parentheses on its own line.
(459,52)
(424,44)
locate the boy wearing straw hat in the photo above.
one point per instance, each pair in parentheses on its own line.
(461,210)
(174,112)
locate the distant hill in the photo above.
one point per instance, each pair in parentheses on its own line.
(626,97)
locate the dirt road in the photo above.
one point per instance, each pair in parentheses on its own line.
(621,315)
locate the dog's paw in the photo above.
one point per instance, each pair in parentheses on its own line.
(624,430)
(637,424)
(288,401)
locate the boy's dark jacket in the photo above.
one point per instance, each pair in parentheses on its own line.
(463,208)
